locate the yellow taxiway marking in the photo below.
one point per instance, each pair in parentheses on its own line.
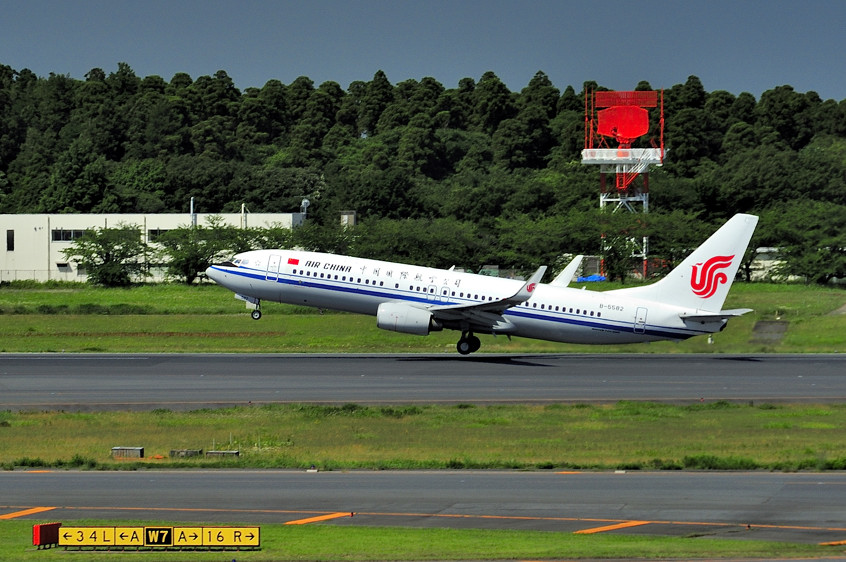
(622,525)
(326,517)
(31,511)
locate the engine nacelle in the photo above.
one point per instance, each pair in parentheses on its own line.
(400,317)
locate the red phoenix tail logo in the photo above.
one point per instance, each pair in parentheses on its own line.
(706,280)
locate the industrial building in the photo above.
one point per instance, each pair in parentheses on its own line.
(34,243)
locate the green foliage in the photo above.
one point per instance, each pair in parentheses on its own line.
(189,250)
(112,257)
(489,166)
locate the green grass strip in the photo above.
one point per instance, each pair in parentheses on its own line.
(626,435)
(329,542)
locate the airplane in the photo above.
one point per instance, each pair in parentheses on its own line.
(419,300)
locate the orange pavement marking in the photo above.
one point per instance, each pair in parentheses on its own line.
(611,527)
(319,518)
(32,511)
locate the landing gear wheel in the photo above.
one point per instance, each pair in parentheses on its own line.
(256,314)
(468,344)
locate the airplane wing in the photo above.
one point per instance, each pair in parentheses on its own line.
(488,315)
(566,276)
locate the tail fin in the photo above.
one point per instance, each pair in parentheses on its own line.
(702,281)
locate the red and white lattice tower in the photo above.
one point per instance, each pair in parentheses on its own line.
(620,118)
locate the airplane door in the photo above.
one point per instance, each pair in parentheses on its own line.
(640,320)
(432,293)
(273,268)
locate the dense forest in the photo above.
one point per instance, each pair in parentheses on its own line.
(469,175)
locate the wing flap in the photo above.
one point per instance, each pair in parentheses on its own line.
(488,315)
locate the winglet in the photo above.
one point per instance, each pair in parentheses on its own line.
(525,292)
(566,276)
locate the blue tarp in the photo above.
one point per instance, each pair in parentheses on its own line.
(590,279)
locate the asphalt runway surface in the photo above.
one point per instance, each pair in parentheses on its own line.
(184,382)
(804,507)
(754,505)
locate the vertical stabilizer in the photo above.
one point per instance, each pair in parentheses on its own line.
(702,281)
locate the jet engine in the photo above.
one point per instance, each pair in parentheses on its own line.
(400,317)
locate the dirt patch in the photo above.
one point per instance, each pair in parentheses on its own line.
(769,331)
(839,311)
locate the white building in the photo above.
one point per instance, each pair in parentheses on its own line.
(34,243)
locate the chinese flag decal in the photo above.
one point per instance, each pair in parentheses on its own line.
(293,261)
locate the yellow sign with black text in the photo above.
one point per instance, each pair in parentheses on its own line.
(188,536)
(181,537)
(129,536)
(230,536)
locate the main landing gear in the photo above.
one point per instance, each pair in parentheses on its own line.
(468,343)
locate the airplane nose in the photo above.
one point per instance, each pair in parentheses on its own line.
(212,273)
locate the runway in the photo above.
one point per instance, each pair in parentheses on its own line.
(759,505)
(182,382)
(805,507)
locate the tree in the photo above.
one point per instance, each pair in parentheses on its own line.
(811,238)
(377,95)
(188,251)
(492,105)
(111,257)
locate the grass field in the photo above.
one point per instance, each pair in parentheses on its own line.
(626,435)
(313,542)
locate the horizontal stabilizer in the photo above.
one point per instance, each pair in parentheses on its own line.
(703,316)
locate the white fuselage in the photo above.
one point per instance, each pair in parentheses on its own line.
(360,285)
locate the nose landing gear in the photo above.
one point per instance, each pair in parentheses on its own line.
(468,343)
